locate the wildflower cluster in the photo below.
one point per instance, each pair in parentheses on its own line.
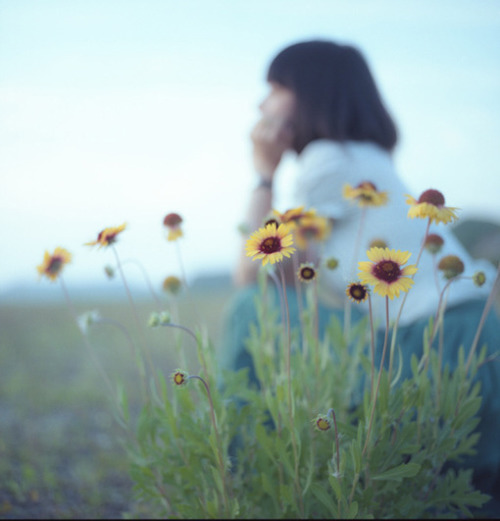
(288,458)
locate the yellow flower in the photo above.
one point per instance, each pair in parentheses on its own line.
(173,221)
(293,215)
(385,271)
(306,272)
(311,228)
(52,265)
(365,194)
(430,205)
(107,236)
(270,244)
(357,292)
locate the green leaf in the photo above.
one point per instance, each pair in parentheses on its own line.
(323,497)
(406,470)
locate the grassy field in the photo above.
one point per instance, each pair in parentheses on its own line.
(60,451)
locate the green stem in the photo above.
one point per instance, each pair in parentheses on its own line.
(220,460)
(136,315)
(486,310)
(370,424)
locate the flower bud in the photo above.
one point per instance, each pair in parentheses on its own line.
(451,266)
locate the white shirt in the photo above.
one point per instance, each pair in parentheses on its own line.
(324,167)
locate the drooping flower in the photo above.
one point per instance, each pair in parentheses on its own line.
(479,278)
(293,215)
(431,204)
(107,236)
(433,243)
(173,222)
(357,292)
(365,194)
(306,272)
(311,228)
(451,266)
(270,244)
(385,272)
(53,264)
(322,422)
(180,377)
(172,284)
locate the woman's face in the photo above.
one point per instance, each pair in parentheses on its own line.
(279,105)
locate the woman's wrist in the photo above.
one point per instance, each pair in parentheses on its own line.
(265,183)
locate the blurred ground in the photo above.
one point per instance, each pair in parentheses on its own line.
(60,446)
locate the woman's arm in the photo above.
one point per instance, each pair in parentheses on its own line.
(270,138)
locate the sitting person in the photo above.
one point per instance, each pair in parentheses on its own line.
(324,105)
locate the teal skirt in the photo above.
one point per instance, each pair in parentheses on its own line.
(460,325)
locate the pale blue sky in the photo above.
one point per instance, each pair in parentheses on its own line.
(114,111)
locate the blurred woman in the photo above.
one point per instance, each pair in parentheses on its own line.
(324,106)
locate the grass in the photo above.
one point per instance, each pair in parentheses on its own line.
(60,452)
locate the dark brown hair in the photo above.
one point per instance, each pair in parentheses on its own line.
(336,94)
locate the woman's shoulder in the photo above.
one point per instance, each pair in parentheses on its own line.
(348,150)
(353,157)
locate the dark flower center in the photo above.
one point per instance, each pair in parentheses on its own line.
(271,221)
(55,265)
(387,270)
(366,185)
(434,197)
(172,219)
(357,292)
(270,245)
(309,232)
(307,273)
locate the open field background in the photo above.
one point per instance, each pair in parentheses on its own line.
(60,452)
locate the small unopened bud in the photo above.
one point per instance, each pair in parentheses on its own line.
(451,266)
(180,377)
(433,243)
(377,243)
(110,271)
(331,263)
(479,278)
(165,318)
(172,285)
(322,422)
(85,320)
(154,319)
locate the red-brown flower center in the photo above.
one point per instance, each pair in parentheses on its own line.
(367,185)
(270,245)
(172,219)
(434,197)
(387,270)
(55,265)
(309,232)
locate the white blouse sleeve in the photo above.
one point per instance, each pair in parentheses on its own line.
(321,178)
